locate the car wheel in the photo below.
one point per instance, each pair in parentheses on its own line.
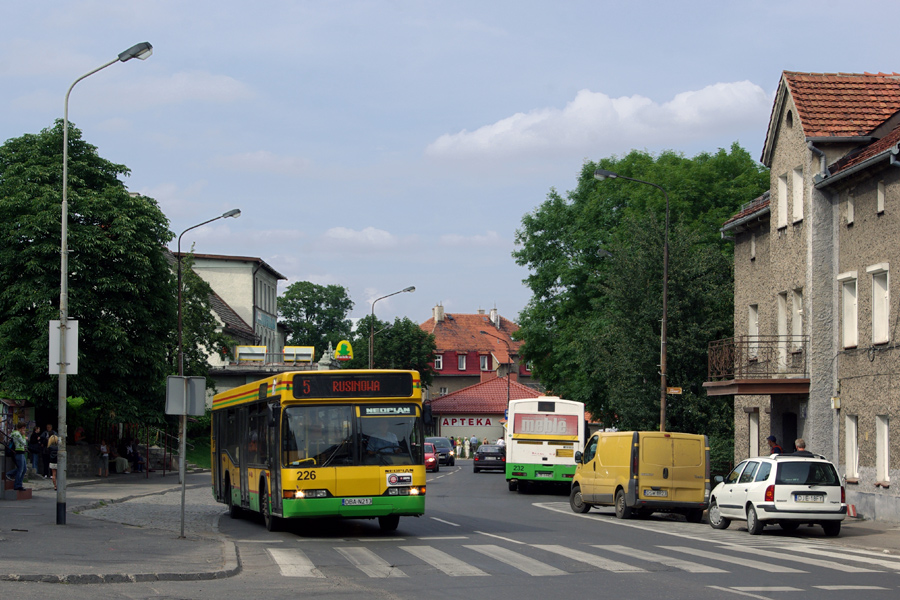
(389,522)
(271,521)
(754,525)
(576,502)
(832,528)
(694,515)
(622,510)
(452,462)
(437,467)
(789,525)
(476,469)
(513,485)
(716,520)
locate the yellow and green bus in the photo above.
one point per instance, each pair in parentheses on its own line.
(306,444)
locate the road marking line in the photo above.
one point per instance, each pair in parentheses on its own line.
(500,537)
(844,556)
(521,562)
(738,592)
(294,563)
(370,563)
(763,588)
(444,562)
(444,537)
(828,564)
(735,560)
(676,563)
(591,559)
(446,522)
(841,588)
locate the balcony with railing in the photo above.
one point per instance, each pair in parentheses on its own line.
(758,364)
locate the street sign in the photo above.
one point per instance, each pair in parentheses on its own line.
(185,395)
(71,347)
(673,390)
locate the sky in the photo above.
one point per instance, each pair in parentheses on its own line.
(378,145)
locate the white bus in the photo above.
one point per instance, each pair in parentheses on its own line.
(542,436)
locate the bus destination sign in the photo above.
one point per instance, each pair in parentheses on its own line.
(358,385)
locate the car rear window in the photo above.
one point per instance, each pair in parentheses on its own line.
(440,442)
(806,473)
(485,448)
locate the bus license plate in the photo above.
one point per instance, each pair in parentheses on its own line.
(656,493)
(548,474)
(809,498)
(356,501)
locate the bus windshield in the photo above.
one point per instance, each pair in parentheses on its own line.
(328,436)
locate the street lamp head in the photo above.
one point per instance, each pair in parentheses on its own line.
(411,288)
(234,212)
(140,51)
(601,174)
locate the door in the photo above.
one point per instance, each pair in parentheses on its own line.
(788,431)
(726,499)
(589,470)
(242,427)
(273,454)
(743,489)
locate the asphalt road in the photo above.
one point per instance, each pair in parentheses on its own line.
(477,539)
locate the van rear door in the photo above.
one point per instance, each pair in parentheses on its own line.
(672,467)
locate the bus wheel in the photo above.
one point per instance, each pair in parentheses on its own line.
(269,519)
(513,485)
(576,502)
(389,522)
(234,511)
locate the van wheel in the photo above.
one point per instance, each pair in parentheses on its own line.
(754,525)
(716,520)
(389,522)
(832,528)
(512,484)
(576,502)
(622,511)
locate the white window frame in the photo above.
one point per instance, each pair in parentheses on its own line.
(851,446)
(484,359)
(443,391)
(797,193)
(881,303)
(882,449)
(438,362)
(754,434)
(850,211)
(849,309)
(753,330)
(461,362)
(796,319)
(753,246)
(782,331)
(782,201)
(879,198)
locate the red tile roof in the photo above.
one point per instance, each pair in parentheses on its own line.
(750,208)
(873,149)
(485,397)
(462,333)
(843,104)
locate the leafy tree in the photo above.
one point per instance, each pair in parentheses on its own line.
(592,327)
(120,285)
(315,314)
(398,345)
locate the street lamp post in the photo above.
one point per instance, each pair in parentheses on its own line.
(411,288)
(141,51)
(601,174)
(509,351)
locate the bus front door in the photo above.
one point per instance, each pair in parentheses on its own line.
(242,464)
(274,458)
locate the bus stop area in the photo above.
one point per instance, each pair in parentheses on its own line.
(121,528)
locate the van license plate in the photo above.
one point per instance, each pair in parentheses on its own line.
(356,501)
(656,493)
(809,498)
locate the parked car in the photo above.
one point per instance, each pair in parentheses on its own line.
(444,449)
(782,488)
(490,457)
(431,458)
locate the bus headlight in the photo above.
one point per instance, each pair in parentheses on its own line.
(298,494)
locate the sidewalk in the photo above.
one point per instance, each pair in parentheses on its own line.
(134,541)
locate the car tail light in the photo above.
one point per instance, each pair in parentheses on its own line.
(476,458)
(843,496)
(770,493)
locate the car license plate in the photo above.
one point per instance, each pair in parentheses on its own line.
(356,501)
(490,458)
(656,493)
(809,498)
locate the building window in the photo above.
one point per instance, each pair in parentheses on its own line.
(438,362)
(753,330)
(851,206)
(485,362)
(879,202)
(754,434)
(797,320)
(782,201)
(753,246)
(528,366)
(442,391)
(797,193)
(851,446)
(880,303)
(461,362)
(782,332)
(882,449)
(849,331)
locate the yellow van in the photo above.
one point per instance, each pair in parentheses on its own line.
(642,472)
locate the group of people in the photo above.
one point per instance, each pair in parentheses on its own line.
(42,446)
(799,445)
(127,458)
(466,447)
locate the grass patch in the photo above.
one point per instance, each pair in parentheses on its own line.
(200,454)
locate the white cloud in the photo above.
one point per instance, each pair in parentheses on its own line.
(488,239)
(593,121)
(345,239)
(263,161)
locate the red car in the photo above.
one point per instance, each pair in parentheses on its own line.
(431,458)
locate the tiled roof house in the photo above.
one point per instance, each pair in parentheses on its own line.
(815,311)
(478,409)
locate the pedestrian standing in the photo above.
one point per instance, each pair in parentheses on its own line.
(20,447)
(45,453)
(35,450)
(53,445)
(774,448)
(468,444)
(103,461)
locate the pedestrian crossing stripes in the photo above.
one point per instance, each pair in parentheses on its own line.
(543,560)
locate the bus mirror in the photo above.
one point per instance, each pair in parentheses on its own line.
(578,456)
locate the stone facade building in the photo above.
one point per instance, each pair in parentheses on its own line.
(815,352)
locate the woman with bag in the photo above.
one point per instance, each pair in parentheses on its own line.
(53,447)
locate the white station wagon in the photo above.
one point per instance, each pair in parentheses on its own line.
(782,488)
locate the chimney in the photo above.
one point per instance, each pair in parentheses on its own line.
(480,311)
(495,318)
(438,313)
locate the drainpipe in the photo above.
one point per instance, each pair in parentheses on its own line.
(823,170)
(894,162)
